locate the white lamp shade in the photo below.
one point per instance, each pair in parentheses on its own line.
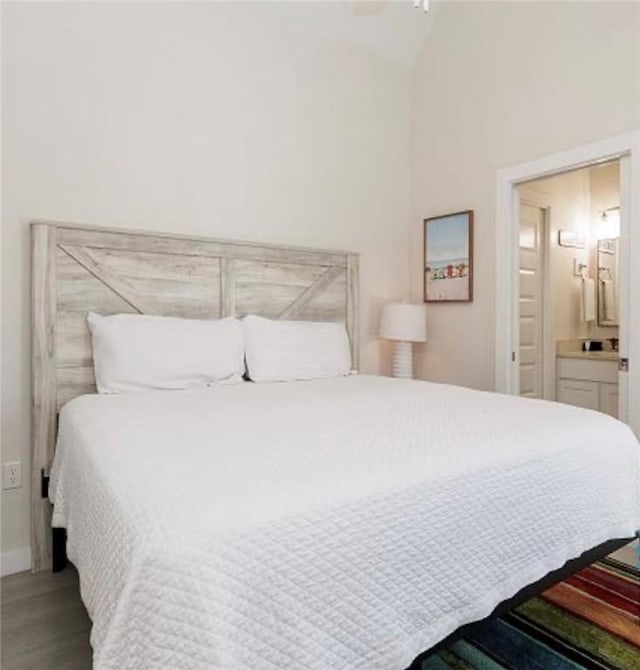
(404,321)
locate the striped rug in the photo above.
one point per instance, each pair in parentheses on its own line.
(589,621)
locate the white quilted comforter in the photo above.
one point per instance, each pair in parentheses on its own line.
(338,524)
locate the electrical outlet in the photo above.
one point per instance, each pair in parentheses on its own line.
(12,475)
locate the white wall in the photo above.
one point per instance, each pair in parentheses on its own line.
(193,118)
(501,83)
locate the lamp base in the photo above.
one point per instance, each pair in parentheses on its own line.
(402,360)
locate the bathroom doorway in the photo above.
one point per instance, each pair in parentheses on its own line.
(568,287)
(626,149)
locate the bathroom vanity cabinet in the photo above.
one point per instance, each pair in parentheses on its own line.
(588,380)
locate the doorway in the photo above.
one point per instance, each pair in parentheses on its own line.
(625,148)
(568,287)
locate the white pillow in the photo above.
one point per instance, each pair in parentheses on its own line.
(295,350)
(133,352)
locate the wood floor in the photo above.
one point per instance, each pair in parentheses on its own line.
(44,623)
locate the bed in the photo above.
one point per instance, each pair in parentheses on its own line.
(344,523)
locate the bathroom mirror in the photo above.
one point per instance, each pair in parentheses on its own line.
(607,258)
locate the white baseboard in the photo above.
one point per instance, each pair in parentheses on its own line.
(14,561)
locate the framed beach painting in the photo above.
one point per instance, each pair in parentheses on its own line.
(448,258)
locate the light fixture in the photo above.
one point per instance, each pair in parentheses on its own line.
(421,3)
(404,323)
(609,224)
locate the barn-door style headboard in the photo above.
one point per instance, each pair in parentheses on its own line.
(77,269)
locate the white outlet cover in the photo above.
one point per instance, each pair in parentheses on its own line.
(12,475)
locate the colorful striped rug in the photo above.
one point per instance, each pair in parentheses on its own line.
(589,621)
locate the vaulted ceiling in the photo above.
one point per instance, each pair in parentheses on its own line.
(393,29)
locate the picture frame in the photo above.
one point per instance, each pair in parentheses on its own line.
(448,257)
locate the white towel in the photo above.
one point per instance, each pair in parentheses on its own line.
(588,299)
(608,300)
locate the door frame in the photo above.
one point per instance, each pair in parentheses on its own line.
(507,328)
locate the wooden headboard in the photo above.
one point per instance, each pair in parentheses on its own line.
(76,269)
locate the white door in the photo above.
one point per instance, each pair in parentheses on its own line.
(531,279)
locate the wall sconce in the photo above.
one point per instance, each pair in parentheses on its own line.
(609,227)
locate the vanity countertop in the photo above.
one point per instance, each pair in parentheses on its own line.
(590,355)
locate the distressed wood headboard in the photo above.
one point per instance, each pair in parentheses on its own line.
(76,269)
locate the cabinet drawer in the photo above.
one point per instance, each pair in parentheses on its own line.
(596,371)
(608,399)
(579,393)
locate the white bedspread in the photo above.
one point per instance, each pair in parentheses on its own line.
(338,524)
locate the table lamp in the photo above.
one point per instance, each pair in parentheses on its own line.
(404,323)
